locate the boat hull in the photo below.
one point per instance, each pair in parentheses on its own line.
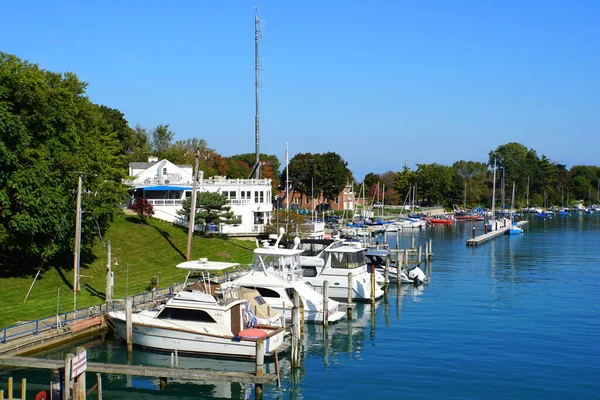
(185,341)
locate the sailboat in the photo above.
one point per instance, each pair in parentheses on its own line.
(514,228)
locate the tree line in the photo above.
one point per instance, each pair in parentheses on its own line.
(537,181)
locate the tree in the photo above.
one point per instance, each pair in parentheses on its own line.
(436,183)
(49,133)
(332,175)
(143,208)
(211,208)
(161,140)
(291,222)
(473,180)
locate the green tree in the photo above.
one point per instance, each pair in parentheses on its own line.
(161,138)
(436,182)
(473,180)
(49,133)
(332,175)
(211,208)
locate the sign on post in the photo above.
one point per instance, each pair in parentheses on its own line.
(79,364)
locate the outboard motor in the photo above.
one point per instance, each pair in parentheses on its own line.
(417,275)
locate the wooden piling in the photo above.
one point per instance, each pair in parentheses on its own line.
(350,289)
(260,357)
(398,270)
(405,259)
(129,324)
(419,255)
(430,248)
(413,245)
(9,389)
(473,233)
(387,270)
(397,240)
(373,283)
(99,385)
(67,383)
(295,331)
(79,392)
(55,385)
(325,304)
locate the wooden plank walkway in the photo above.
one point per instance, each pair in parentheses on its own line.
(141,370)
(493,234)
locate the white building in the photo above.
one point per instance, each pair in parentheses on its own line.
(165,185)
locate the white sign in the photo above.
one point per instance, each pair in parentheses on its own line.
(79,364)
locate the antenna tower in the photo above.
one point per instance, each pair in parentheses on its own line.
(257,37)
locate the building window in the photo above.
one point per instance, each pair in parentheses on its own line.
(262,196)
(164,171)
(256,196)
(232,195)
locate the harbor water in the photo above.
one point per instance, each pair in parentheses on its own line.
(514,318)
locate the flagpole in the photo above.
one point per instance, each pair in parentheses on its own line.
(287,179)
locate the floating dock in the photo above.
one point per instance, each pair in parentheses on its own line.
(477,240)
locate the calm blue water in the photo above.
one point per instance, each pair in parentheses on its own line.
(514,318)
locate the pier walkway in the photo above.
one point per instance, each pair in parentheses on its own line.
(474,241)
(141,370)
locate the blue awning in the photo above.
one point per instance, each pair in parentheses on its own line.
(164,187)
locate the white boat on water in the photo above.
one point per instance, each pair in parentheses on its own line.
(333,261)
(276,274)
(195,322)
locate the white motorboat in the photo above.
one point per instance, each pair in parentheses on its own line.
(276,274)
(333,261)
(195,322)
(263,312)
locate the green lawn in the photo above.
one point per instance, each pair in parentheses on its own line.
(143,251)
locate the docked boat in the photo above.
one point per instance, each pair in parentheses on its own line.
(276,273)
(195,322)
(334,261)
(515,229)
(440,220)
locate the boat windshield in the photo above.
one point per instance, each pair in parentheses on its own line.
(285,265)
(347,260)
(182,314)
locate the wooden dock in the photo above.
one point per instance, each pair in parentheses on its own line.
(141,370)
(486,237)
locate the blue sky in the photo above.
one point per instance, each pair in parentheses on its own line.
(378,82)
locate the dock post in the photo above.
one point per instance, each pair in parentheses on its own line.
(79,380)
(260,357)
(325,304)
(413,245)
(163,383)
(350,289)
(419,255)
(99,385)
(67,386)
(426,249)
(430,248)
(129,324)
(373,283)
(176,359)
(387,271)
(398,271)
(295,331)
(9,389)
(55,385)
(473,232)
(405,259)
(384,237)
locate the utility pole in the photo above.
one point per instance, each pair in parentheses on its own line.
(257,37)
(188,256)
(77,252)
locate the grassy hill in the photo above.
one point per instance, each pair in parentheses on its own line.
(143,251)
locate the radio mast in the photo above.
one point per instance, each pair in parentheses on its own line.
(257,37)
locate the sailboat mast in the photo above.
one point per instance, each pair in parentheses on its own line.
(528,191)
(494,192)
(257,37)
